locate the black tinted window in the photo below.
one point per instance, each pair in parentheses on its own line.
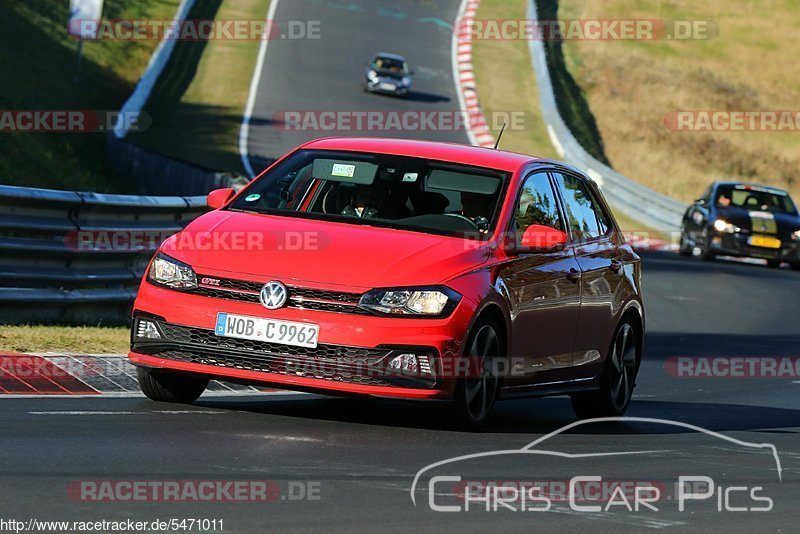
(537,205)
(586,220)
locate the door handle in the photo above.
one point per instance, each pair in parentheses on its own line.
(573,275)
(616,265)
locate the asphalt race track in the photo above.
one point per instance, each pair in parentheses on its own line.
(323,75)
(361,457)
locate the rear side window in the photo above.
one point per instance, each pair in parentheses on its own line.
(586,219)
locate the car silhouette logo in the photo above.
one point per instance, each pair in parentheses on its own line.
(273,295)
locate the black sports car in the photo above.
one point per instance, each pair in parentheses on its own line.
(746,220)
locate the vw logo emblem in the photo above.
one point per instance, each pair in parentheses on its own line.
(273,295)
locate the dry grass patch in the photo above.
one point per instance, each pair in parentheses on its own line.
(80,339)
(631,86)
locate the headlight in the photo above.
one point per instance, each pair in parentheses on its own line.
(406,80)
(721,225)
(372,75)
(796,235)
(424,302)
(171,273)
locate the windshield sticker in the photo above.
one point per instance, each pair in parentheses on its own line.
(346,171)
(252,198)
(410,177)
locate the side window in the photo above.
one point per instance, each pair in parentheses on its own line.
(537,206)
(586,219)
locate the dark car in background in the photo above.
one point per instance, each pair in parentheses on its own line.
(743,220)
(388,73)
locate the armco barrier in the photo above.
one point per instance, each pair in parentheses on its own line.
(58,263)
(638,202)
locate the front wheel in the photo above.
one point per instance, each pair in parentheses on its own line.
(685,249)
(618,380)
(475,393)
(795,265)
(707,254)
(170,387)
(774,264)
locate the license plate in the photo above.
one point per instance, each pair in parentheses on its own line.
(388,86)
(269,330)
(765,241)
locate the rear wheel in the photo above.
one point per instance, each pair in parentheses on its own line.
(170,387)
(475,393)
(618,380)
(774,264)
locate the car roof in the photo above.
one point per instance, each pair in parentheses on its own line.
(387,55)
(449,152)
(749,184)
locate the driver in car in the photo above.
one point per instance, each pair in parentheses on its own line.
(475,207)
(363,204)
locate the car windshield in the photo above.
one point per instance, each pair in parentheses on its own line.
(380,190)
(390,64)
(755,198)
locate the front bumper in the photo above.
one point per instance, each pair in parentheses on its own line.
(351,358)
(391,87)
(738,244)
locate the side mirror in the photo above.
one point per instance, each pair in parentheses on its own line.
(700,201)
(540,238)
(219,197)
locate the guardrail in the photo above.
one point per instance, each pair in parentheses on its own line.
(74,257)
(638,202)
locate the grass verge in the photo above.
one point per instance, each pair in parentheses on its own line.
(80,339)
(506,83)
(38,69)
(197,105)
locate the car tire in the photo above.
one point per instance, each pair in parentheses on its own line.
(774,264)
(707,254)
(475,393)
(795,265)
(618,379)
(684,249)
(170,387)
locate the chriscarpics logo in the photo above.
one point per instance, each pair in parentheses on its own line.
(647,470)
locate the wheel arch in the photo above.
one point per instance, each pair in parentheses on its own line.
(492,311)
(634,313)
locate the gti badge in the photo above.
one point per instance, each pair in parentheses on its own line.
(273,295)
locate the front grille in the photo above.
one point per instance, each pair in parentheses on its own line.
(323,370)
(299,297)
(355,365)
(207,338)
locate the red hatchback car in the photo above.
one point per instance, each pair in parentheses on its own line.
(397,268)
